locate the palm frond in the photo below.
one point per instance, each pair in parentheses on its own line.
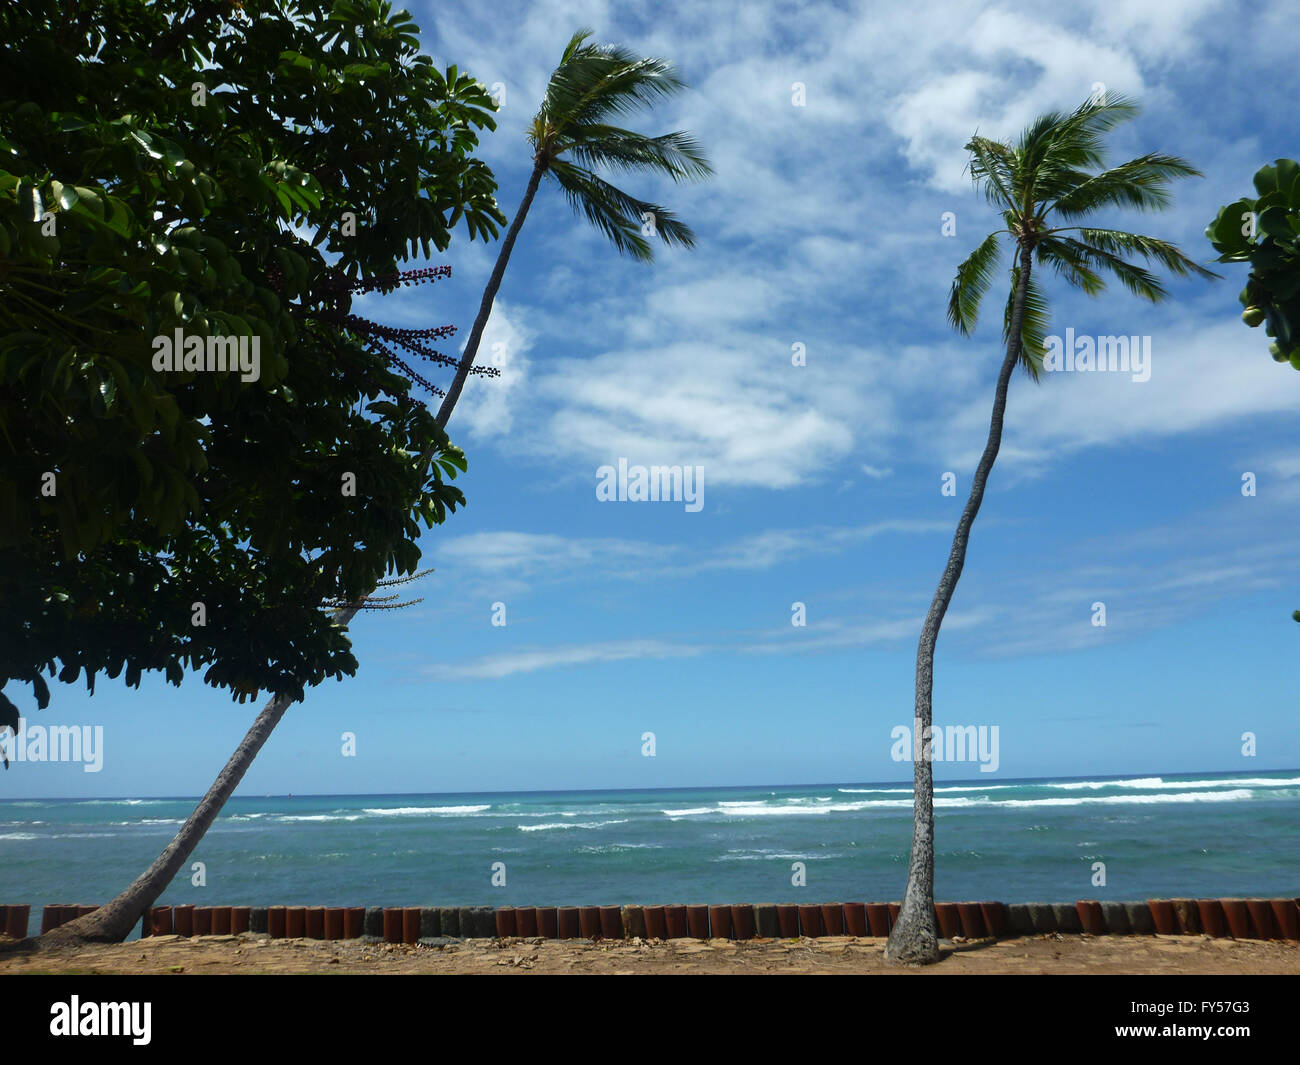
(971,283)
(1141,183)
(1118,242)
(618,215)
(677,155)
(993,163)
(1070,264)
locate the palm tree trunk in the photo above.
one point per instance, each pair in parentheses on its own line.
(914,938)
(113,922)
(489,294)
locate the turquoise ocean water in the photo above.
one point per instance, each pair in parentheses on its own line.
(1202,834)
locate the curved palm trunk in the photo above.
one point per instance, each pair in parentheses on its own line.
(489,294)
(113,922)
(914,938)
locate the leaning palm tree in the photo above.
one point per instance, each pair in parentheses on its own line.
(1043,185)
(571,139)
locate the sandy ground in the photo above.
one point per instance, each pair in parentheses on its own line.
(251,953)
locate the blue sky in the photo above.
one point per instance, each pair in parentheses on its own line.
(822,482)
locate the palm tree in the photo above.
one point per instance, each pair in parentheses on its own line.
(1043,186)
(569,137)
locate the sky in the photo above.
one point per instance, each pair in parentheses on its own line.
(823,227)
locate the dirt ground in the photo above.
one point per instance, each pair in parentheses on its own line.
(252,953)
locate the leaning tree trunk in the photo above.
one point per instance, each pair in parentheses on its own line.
(489,294)
(113,922)
(914,939)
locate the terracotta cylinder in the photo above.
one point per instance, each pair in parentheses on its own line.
(895,908)
(160,921)
(221,920)
(51,917)
(392,925)
(697,922)
(84,911)
(1286,916)
(569,923)
(1090,916)
(548,922)
(354,922)
(203,920)
(787,921)
(948,919)
(878,919)
(240,919)
(589,922)
(1237,917)
(995,918)
(655,925)
(972,920)
(506,923)
(526,922)
(810,920)
(855,919)
(634,922)
(742,921)
(1261,919)
(314,922)
(16,920)
(676,921)
(276,920)
(334,916)
(1213,923)
(719,922)
(4,919)
(1188,916)
(765,922)
(295,922)
(1163,916)
(611,922)
(183,920)
(410,925)
(832,919)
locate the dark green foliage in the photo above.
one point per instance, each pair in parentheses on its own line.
(155,162)
(1265,232)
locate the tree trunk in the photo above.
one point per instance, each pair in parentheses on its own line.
(489,294)
(914,938)
(113,922)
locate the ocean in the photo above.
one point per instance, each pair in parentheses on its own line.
(1191,835)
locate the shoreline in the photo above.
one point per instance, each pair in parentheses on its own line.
(1051,954)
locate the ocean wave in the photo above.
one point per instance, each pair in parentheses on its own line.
(418,811)
(570,824)
(19,835)
(1126,800)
